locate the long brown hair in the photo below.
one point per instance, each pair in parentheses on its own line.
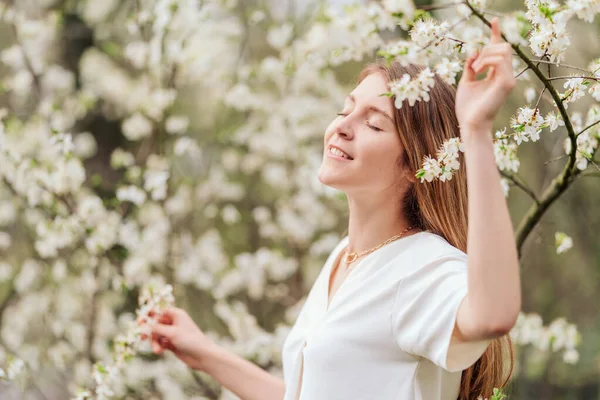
(441,207)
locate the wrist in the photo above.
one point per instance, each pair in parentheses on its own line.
(210,356)
(471,133)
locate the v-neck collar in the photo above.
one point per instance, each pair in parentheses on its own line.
(336,258)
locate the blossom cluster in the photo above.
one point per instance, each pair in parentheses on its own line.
(412,89)
(446,163)
(152,302)
(558,336)
(549,35)
(588,136)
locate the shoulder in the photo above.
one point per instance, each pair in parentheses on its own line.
(429,254)
(437,246)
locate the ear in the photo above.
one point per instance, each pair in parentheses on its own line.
(410,175)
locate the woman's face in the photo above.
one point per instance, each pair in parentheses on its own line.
(366,133)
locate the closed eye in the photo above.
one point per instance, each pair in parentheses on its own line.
(374,127)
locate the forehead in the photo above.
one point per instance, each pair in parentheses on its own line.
(369,92)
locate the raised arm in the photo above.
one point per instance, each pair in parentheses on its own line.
(493,302)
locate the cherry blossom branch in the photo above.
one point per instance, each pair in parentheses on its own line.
(521,185)
(588,127)
(561,182)
(561,65)
(434,7)
(571,77)
(591,174)
(522,72)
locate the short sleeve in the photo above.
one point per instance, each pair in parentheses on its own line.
(425,310)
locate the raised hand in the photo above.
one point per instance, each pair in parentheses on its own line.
(177,332)
(478,101)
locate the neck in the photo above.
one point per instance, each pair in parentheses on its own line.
(374,219)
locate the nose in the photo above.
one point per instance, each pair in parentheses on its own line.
(345,129)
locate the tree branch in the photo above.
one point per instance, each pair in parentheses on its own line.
(521,185)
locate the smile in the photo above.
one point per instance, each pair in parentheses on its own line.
(337,153)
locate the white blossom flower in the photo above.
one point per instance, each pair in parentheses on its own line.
(121,159)
(230,214)
(447,70)
(131,193)
(571,356)
(402,9)
(554,120)
(584,9)
(412,90)
(563,242)
(155,181)
(530,94)
(137,53)
(177,124)
(63,142)
(505,153)
(587,143)
(527,125)
(137,127)
(185,145)
(85,145)
(279,36)
(575,89)
(15,369)
(433,35)
(6,271)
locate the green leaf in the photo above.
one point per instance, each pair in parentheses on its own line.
(111,48)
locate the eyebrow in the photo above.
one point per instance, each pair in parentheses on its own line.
(372,108)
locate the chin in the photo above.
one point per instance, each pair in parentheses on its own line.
(329,179)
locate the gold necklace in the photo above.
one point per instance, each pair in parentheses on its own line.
(349,258)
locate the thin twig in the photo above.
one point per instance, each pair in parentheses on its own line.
(571,77)
(562,65)
(521,185)
(556,159)
(539,98)
(521,73)
(591,174)
(588,127)
(434,7)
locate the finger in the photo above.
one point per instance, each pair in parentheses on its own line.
(489,61)
(468,74)
(172,313)
(163,330)
(496,34)
(501,49)
(156,347)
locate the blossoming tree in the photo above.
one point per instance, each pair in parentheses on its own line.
(173,144)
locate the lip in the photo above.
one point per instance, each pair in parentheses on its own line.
(337,157)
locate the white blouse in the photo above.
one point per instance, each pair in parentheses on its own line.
(387,334)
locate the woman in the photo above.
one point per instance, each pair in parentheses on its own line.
(399,311)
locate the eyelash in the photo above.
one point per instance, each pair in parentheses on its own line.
(376,129)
